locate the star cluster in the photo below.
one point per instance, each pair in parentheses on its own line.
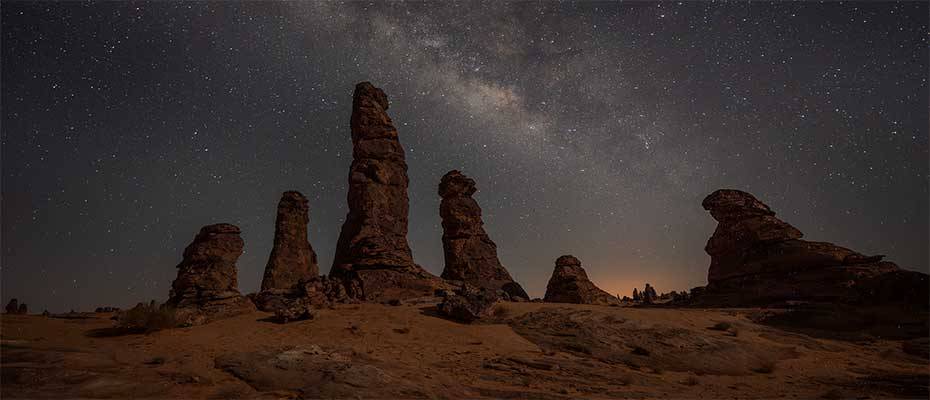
(592,129)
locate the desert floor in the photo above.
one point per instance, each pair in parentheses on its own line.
(530,350)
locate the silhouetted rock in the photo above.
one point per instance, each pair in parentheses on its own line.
(470,255)
(12,307)
(292,259)
(636,297)
(570,284)
(757,259)
(206,287)
(106,309)
(372,254)
(470,303)
(23,309)
(649,295)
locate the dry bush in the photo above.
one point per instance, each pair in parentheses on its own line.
(147,318)
(721,326)
(767,367)
(500,311)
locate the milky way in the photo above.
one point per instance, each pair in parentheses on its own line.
(592,129)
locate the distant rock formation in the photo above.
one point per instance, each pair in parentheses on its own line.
(107,309)
(23,309)
(570,284)
(372,254)
(206,287)
(13,306)
(470,255)
(636,296)
(758,259)
(649,295)
(292,259)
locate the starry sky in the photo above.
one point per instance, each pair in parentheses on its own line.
(592,129)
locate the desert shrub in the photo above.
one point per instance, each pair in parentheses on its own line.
(500,311)
(640,351)
(721,326)
(690,381)
(146,318)
(767,367)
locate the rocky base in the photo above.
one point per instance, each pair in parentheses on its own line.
(213,310)
(469,303)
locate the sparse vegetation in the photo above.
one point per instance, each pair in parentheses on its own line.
(156,361)
(721,326)
(691,380)
(147,318)
(500,311)
(767,367)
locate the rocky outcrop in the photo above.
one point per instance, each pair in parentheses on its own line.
(649,294)
(372,254)
(12,307)
(292,259)
(470,255)
(470,303)
(23,309)
(206,287)
(317,292)
(757,259)
(570,284)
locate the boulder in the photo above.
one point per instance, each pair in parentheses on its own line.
(206,287)
(372,254)
(757,259)
(317,292)
(292,259)
(470,255)
(570,284)
(470,303)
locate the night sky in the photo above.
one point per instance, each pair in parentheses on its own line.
(592,129)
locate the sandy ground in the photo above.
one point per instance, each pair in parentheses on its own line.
(531,350)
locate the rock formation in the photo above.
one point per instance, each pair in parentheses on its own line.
(636,296)
(470,303)
(12,307)
(649,295)
(758,259)
(570,284)
(372,254)
(292,259)
(470,254)
(23,309)
(206,287)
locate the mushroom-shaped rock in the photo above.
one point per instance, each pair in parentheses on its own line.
(206,287)
(757,259)
(470,255)
(292,259)
(570,284)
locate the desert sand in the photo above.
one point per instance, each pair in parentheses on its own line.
(527,350)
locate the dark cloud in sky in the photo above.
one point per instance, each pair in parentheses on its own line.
(593,129)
